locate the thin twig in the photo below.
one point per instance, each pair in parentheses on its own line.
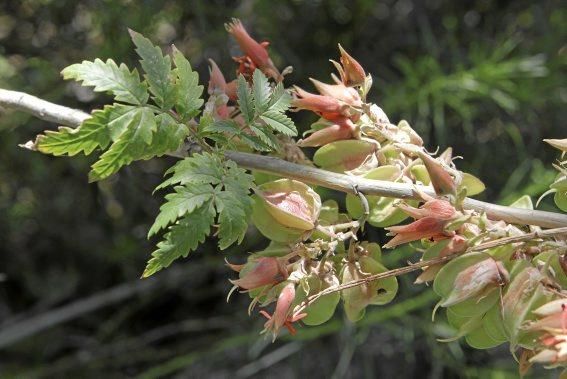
(416,266)
(344,183)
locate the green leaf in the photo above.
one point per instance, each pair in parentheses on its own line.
(265,135)
(279,122)
(169,136)
(131,144)
(230,128)
(189,92)
(182,238)
(281,99)
(234,213)
(184,200)
(91,134)
(197,169)
(207,179)
(124,84)
(234,205)
(158,70)
(261,91)
(245,100)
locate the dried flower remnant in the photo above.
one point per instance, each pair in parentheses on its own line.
(457,244)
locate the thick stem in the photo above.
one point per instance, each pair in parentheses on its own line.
(344,183)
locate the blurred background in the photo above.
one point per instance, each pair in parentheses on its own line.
(486,77)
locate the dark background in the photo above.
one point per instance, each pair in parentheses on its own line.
(486,77)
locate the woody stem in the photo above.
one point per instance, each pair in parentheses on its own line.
(71,117)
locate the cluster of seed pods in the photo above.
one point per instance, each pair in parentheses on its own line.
(511,293)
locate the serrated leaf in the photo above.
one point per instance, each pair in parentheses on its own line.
(230,128)
(260,91)
(281,99)
(197,169)
(91,134)
(234,205)
(158,70)
(184,200)
(182,238)
(265,135)
(279,122)
(169,136)
(189,92)
(131,145)
(245,100)
(124,84)
(234,213)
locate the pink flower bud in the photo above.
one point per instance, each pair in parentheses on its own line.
(217,82)
(555,351)
(438,208)
(334,132)
(426,227)
(340,92)
(352,72)
(230,90)
(282,314)
(326,106)
(442,181)
(256,51)
(216,79)
(261,272)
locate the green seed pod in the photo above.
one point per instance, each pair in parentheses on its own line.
(346,155)
(378,292)
(552,258)
(473,184)
(269,226)
(322,309)
(291,203)
(524,294)
(471,276)
(420,174)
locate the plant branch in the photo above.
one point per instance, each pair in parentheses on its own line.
(344,183)
(416,266)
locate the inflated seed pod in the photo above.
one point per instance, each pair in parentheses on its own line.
(346,155)
(291,203)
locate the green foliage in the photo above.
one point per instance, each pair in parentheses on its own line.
(263,110)
(140,126)
(182,238)
(209,187)
(124,84)
(158,70)
(138,130)
(488,76)
(188,100)
(92,134)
